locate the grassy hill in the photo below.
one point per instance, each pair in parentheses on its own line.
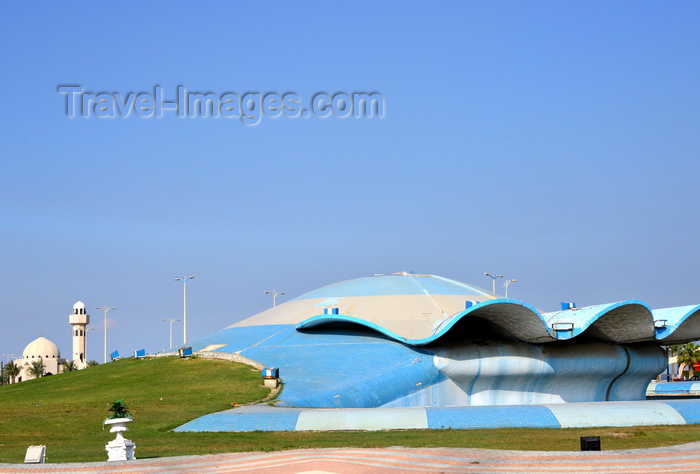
(65,412)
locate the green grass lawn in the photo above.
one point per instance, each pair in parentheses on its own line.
(65,412)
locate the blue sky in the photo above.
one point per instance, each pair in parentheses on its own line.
(554,142)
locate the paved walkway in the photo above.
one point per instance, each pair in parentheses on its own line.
(676,459)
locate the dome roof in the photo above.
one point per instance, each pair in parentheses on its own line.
(79,305)
(402,283)
(406,303)
(41,347)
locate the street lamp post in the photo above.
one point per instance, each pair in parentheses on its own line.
(274,294)
(104,310)
(507,284)
(184,305)
(171,321)
(493,277)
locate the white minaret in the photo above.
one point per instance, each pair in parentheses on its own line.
(79,319)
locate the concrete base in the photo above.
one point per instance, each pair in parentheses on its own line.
(120,449)
(562,415)
(271,383)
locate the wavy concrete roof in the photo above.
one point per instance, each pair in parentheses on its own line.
(421,309)
(677,325)
(510,318)
(623,322)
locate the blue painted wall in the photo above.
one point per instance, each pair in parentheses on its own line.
(355,368)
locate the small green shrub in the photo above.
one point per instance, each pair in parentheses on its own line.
(119,410)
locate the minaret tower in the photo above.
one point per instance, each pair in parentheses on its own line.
(79,319)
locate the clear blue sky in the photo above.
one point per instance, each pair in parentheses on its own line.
(554,142)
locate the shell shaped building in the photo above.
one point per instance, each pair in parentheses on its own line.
(407,340)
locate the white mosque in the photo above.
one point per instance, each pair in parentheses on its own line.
(47,351)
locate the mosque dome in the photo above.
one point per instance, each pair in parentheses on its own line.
(41,347)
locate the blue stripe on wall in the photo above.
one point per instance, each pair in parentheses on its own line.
(246,419)
(525,416)
(674,387)
(688,409)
